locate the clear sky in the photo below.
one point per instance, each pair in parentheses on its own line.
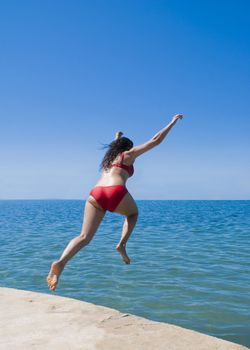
(75,72)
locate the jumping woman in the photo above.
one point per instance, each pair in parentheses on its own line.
(110,193)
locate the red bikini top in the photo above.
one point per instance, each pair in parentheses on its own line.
(128,168)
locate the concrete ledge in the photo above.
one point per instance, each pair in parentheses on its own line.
(41,321)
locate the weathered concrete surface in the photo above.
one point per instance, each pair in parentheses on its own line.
(41,321)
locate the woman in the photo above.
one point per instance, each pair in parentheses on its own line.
(110,193)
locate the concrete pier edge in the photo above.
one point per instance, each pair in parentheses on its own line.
(31,320)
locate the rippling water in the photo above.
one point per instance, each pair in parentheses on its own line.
(189,260)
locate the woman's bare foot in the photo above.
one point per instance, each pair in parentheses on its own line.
(121,249)
(53,276)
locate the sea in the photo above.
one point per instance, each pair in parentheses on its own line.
(190,260)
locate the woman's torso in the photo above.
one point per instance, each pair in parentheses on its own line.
(117,174)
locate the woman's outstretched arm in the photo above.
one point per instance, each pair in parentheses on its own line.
(156,139)
(159,137)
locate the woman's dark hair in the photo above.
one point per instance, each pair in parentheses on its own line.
(114,148)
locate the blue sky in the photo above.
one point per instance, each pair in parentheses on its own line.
(75,72)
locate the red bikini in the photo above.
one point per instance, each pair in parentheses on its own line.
(128,168)
(110,196)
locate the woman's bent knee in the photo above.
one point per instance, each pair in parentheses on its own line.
(133,216)
(84,240)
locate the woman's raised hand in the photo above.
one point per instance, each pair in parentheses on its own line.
(118,135)
(176,117)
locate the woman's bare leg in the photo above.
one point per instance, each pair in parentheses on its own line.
(128,208)
(91,221)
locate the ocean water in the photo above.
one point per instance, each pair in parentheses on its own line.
(190,260)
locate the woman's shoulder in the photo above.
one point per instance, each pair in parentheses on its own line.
(127,158)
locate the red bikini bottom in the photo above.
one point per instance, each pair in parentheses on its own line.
(109,196)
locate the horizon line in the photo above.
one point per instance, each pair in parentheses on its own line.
(137,199)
